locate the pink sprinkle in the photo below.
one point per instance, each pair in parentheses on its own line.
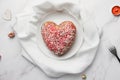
(59,38)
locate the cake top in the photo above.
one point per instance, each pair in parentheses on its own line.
(59,38)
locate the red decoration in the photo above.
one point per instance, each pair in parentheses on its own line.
(116,10)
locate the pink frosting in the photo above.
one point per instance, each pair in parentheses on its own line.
(59,38)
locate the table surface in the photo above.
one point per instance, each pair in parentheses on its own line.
(13,66)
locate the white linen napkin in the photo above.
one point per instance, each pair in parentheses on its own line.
(27,35)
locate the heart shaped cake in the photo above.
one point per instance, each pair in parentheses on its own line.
(59,38)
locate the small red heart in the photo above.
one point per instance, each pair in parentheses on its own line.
(59,38)
(116,10)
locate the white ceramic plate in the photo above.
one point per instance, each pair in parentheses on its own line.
(58,17)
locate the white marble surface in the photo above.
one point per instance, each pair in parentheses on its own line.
(105,66)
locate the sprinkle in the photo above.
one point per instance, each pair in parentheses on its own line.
(59,38)
(11,35)
(84,76)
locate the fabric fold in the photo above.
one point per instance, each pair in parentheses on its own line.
(27,31)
